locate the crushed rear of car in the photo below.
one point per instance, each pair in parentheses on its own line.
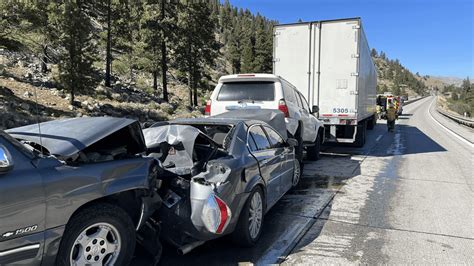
(209,174)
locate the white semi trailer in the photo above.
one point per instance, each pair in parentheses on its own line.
(329,62)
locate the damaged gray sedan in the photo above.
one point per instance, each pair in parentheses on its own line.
(221,176)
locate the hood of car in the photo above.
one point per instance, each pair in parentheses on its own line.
(67,137)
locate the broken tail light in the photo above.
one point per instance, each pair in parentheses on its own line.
(207,110)
(216,214)
(283,107)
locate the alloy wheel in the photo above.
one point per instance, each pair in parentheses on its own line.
(296,173)
(256,215)
(98,244)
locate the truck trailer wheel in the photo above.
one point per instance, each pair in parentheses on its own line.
(101,234)
(361,134)
(371,122)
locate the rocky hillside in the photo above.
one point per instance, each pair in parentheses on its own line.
(21,83)
(93,59)
(395,78)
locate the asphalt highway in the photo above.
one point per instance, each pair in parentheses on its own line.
(405,197)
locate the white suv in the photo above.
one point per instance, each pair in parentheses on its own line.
(267,91)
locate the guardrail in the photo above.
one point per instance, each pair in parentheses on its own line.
(457,118)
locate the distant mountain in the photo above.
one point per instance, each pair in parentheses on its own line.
(393,77)
(448,80)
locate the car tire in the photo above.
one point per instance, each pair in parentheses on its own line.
(313,152)
(245,234)
(300,148)
(297,173)
(100,233)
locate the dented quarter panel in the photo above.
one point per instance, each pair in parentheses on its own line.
(67,188)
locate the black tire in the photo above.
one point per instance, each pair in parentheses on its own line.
(300,148)
(241,234)
(361,135)
(371,122)
(100,213)
(313,152)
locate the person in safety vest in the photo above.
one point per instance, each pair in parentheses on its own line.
(391,116)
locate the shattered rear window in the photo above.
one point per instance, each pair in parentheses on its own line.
(218,133)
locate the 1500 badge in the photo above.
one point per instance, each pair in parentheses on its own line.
(20,231)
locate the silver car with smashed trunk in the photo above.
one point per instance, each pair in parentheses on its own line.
(222,174)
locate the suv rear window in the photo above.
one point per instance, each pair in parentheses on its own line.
(252,91)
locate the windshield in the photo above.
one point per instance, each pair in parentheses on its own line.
(247,91)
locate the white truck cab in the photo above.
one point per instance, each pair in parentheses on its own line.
(268,91)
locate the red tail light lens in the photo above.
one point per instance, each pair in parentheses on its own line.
(283,107)
(207,110)
(216,214)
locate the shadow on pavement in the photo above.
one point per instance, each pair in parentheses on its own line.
(298,210)
(408,140)
(405,140)
(293,214)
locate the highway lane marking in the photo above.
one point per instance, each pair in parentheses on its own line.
(378,138)
(447,129)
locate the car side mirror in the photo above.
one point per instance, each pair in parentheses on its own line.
(315,109)
(6,164)
(292,142)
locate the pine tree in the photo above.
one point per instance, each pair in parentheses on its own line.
(263,42)
(373,52)
(248,42)
(127,34)
(233,53)
(74,34)
(197,47)
(153,38)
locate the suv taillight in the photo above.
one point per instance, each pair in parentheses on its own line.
(215,214)
(207,110)
(283,107)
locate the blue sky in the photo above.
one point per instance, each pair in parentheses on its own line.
(431,37)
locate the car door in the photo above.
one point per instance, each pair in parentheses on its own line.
(268,162)
(22,206)
(286,158)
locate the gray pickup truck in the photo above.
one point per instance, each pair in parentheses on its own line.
(78,195)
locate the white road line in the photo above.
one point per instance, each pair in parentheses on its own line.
(447,129)
(378,138)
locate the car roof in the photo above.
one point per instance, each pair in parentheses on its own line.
(249,77)
(268,117)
